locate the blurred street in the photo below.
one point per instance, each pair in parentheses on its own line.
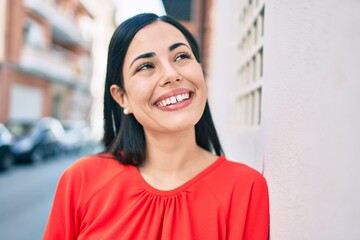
(26,196)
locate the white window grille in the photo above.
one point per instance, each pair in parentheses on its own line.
(250,74)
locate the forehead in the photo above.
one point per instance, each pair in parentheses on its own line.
(155,36)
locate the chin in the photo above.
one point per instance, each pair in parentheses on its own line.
(178,125)
(183,124)
(171,121)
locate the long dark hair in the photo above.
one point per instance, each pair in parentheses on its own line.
(124,136)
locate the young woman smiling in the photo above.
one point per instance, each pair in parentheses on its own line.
(163,174)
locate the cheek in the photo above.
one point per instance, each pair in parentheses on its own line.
(139,93)
(199,80)
(194,73)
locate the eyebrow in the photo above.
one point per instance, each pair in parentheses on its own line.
(152,54)
(176,45)
(145,55)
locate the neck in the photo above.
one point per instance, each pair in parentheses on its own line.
(170,152)
(172,159)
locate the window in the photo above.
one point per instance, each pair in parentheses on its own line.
(250,74)
(34,34)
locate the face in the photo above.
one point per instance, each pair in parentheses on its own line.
(164,84)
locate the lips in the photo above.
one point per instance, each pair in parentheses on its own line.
(173,100)
(173,97)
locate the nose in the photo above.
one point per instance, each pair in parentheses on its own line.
(169,74)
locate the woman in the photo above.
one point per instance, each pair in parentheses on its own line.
(162,176)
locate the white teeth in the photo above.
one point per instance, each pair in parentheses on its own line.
(179,98)
(173,99)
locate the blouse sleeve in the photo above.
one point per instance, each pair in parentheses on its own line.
(257,217)
(62,222)
(249,209)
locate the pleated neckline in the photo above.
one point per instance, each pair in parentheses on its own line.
(135,171)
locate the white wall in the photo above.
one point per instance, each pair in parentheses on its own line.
(309,137)
(103,28)
(311,118)
(239,144)
(26,103)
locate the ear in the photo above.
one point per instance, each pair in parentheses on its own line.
(119,96)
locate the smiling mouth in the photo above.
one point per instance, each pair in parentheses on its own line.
(173,99)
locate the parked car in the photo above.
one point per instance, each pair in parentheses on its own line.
(42,141)
(77,136)
(6,156)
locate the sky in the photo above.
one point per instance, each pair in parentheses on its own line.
(128,8)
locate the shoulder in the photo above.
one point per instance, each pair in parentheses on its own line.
(247,179)
(236,175)
(88,175)
(237,170)
(92,171)
(234,182)
(94,164)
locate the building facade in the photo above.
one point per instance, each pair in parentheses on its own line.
(284,87)
(45,60)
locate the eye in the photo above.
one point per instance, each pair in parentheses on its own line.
(144,66)
(182,56)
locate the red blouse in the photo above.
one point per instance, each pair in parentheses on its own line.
(99,198)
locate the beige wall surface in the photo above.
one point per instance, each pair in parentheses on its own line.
(311,127)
